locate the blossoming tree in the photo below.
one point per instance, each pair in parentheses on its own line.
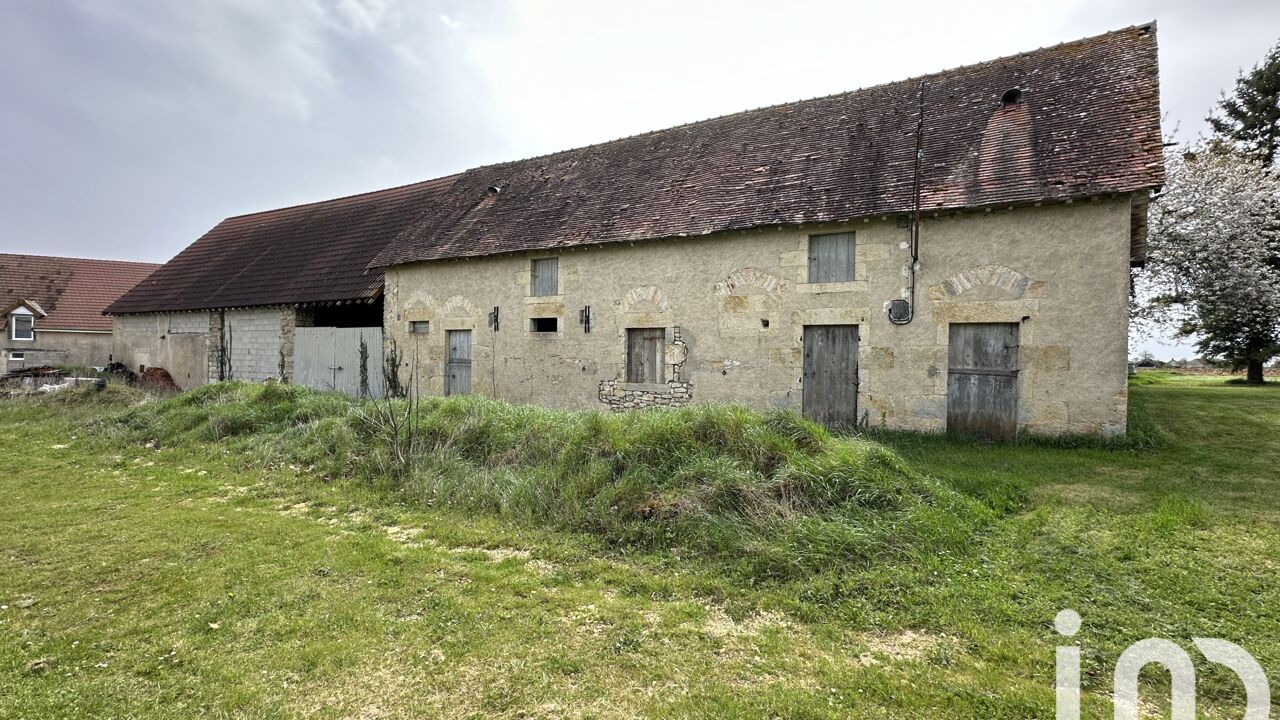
(1213,269)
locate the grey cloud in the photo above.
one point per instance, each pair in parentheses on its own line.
(134,126)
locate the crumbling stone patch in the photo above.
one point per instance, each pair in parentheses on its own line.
(621,396)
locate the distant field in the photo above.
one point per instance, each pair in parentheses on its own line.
(217,573)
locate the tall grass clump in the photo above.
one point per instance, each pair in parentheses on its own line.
(770,493)
(272,424)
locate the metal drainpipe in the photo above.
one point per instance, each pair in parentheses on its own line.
(914,242)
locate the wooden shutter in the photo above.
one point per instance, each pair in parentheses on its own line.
(545,277)
(831,258)
(644,355)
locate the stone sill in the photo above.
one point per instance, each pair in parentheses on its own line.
(545,335)
(818,288)
(540,299)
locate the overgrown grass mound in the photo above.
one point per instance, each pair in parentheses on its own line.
(772,493)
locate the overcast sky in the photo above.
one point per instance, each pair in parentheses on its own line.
(129,127)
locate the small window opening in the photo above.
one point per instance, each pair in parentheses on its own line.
(1012,96)
(544,325)
(419,327)
(764,322)
(17,355)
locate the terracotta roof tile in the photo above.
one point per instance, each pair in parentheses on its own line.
(73,291)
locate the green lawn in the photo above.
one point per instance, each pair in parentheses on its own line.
(187,582)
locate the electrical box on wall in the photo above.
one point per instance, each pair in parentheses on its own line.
(899,311)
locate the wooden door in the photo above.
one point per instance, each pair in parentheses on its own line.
(644,355)
(830,377)
(982,380)
(457,369)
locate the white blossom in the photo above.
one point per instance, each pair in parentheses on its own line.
(1214,255)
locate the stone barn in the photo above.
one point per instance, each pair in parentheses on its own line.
(949,252)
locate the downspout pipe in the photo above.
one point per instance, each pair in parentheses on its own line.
(914,242)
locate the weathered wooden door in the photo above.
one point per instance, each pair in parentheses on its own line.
(644,355)
(982,380)
(830,379)
(457,368)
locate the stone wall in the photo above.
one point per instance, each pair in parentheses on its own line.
(676,391)
(741,301)
(217,364)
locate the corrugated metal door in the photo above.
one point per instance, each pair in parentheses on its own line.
(313,359)
(982,380)
(328,358)
(830,379)
(457,370)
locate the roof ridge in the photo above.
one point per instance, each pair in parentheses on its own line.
(825,160)
(694,123)
(843,93)
(438,180)
(81,259)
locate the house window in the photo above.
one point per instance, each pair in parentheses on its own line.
(831,258)
(17,356)
(419,327)
(544,325)
(23,328)
(644,355)
(544,277)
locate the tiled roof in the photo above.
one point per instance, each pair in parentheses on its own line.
(72,291)
(1087,124)
(316,253)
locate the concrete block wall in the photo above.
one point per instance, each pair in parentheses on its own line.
(190,345)
(256,344)
(177,342)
